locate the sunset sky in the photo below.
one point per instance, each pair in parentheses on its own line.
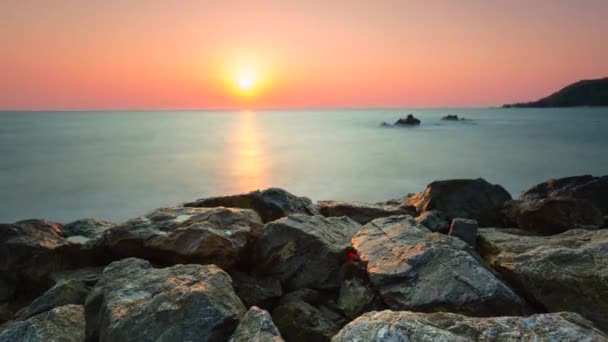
(159,54)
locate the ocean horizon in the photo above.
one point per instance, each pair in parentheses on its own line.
(114,165)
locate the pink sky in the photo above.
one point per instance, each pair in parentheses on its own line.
(158,54)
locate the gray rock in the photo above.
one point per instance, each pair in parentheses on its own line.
(87,275)
(65,324)
(302,318)
(255,289)
(592,189)
(305,251)
(270,204)
(435,220)
(406,326)
(465,198)
(182,235)
(63,293)
(357,296)
(465,229)
(256,326)
(362,212)
(83,230)
(414,269)
(565,272)
(135,302)
(552,215)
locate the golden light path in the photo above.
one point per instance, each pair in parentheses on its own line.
(249,165)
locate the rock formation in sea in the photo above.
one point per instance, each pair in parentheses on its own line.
(459,261)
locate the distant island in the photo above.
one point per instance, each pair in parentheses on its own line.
(582,93)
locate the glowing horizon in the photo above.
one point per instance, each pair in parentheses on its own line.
(62,54)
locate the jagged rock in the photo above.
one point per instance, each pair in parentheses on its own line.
(358,296)
(465,229)
(414,269)
(270,204)
(465,198)
(30,251)
(410,120)
(406,326)
(362,212)
(135,302)
(65,324)
(305,251)
(63,293)
(565,272)
(87,275)
(593,189)
(552,215)
(435,220)
(255,289)
(81,231)
(301,317)
(182,235)
(256,326)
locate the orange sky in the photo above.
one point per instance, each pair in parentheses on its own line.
(159,54)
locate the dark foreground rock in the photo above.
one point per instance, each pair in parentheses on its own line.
(270,204)
(565,272)
(183,235)
(302,316)
(435,221)
(410,120)
(362,212)
(135,302)
(553,215)
(256,290)
(65,292)
(464,229)
(592,189)
(465,198)
(414,269)
(305,251)
(406,326)
(81,231)
(62,324)
(256,326)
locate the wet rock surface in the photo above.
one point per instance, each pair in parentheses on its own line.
(414,269)
(464,198)
(565,272)
(361,212)
(406,326)
(305,251)
(182,235)
(270,204)
(553,215)
(256,326)
(135,302)
(65,324)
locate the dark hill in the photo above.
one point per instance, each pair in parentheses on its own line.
(581,93)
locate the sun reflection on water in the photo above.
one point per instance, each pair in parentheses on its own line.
(249,163)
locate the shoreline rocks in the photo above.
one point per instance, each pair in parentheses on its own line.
(271,266)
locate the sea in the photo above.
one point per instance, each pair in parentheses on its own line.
(116,165)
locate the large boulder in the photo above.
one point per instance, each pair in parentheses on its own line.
(30,251)
(464,229)
(270,204)
(465,198)
(135,302)
(435,220)
(362,212)
(553,215)
(256,326)
(183,235)
(305,251)
(83,230)
(593,189)
(406,326)
(302,316)
(64,323)
(565,272)
(63,293)
(414,269)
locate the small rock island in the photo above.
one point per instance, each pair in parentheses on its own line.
(459,261)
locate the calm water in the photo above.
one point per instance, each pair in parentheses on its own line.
(115,165)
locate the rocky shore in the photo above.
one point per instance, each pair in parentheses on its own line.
(459,261)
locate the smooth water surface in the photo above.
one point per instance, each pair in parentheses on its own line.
(116,165)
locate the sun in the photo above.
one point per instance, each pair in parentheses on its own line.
(245,81)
